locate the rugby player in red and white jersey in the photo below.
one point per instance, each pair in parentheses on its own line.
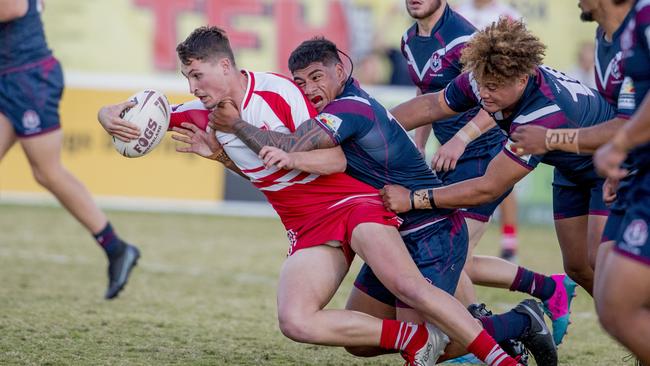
(328,217)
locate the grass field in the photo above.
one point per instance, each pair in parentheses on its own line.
(202,294)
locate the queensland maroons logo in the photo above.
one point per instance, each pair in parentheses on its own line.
(636,233)
(436,62)
(31,120)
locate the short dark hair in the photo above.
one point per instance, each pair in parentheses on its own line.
(317,49)
(204,43)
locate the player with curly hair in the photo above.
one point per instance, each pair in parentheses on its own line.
(504,75)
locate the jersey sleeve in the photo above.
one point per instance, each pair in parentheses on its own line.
(626,104)
(345,119)
(527,161)
(461,94)
(642,20)
(192,112)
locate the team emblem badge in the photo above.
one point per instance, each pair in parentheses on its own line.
(636,233)
(436,62)
(31,120)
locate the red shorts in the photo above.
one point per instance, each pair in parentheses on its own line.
(334,225)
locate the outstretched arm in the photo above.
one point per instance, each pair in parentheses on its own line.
(321,162)
(422,110)
(635,132)
(501,175)
(308,136)
(537,140)
(447,155)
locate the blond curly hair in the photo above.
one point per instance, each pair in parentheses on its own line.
(502,51)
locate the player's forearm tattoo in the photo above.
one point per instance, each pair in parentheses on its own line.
(308,136)
(564,139)
(424,199)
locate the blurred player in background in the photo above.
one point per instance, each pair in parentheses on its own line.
(622,290)
(505,77)
(31,85)
(432,47)
(618,91)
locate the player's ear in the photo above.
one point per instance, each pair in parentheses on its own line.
(225,65)
(340,72)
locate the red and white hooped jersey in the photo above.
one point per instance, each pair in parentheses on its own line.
(275,103)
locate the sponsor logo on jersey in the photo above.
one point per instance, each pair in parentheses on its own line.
(330,121)
(626,95)
(636,233)
(31,120)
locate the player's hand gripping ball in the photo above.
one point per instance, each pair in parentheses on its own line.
(151,114)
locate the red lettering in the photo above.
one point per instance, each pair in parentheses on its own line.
(165,14)
(292,29)
(223,12)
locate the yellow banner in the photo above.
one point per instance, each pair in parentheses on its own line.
(89,154)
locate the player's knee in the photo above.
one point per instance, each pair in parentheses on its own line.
(295,327)
(579,272)
(46,177)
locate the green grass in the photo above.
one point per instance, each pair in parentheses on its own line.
(203,294)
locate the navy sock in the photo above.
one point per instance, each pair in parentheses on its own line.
(109,241)
(535,284)
(505,326)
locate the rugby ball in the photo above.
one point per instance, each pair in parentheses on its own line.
(151,114)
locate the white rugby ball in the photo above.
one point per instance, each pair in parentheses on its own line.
(151,114)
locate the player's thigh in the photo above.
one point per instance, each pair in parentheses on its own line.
(43,151)
(572,237)
(7,135)
(475,229)
(595,228)
(308,280)
(624,287)
(382,248)
(370,296)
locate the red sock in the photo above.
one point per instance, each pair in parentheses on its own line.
(402,336)
(509,237)
(486,349)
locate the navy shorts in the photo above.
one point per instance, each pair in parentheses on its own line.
(30,96)
(439,250)
(577,197)
(633,241)
(472,167)
(617,210)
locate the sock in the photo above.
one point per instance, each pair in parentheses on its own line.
(535,284)
(109,241)
(486,349)
(509,237)
(402,336)
(504,326)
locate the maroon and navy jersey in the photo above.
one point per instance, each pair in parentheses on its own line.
(635,43)
(433,62)
(551,99)
(378,149)
(22,40)
(609,70)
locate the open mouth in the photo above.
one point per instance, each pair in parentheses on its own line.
(317,99)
